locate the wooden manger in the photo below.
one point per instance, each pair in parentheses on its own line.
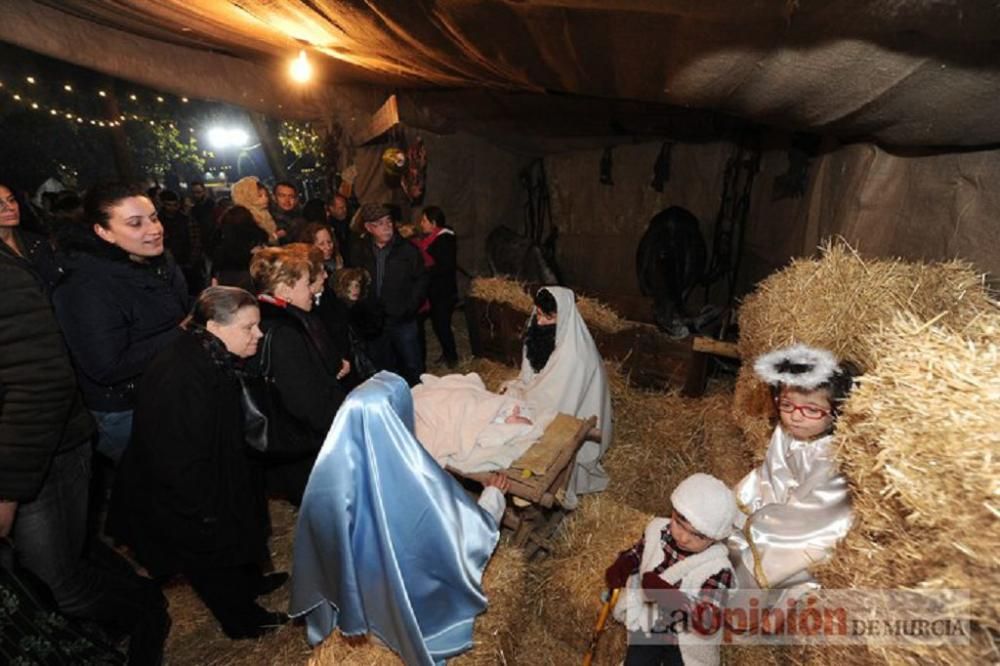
(538,480)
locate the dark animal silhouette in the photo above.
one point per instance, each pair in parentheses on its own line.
(509,253)
(670,262)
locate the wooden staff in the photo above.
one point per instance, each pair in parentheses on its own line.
(602,619)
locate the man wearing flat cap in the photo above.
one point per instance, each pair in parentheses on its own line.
(399,287)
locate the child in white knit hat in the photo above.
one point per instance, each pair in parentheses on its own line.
(681,554)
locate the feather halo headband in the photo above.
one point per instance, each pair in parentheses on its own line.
(799,365)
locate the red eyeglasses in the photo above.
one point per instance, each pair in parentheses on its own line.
(810,412)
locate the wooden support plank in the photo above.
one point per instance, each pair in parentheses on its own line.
(565,457)
(545,452)
(524,489)
(717,347)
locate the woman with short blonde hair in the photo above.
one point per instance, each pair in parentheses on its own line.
(302,362)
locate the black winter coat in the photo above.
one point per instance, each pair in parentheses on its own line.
(336,317)
(40,407)
(404,286)
(442,285)
(186,493)
(303,365)
(116,314)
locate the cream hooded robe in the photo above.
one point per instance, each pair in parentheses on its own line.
(574,382)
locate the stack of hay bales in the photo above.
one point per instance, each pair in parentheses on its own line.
(918,437)
(919,441)
(515,294)
(496,634)
(841,302)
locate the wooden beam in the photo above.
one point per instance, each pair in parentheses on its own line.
(716,347)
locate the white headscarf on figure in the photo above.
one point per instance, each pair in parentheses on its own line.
(574,382)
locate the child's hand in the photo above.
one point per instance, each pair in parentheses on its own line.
(499,481)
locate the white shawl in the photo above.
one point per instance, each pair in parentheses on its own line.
(574,382)
(690,574)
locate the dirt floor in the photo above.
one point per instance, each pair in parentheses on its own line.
(195,637)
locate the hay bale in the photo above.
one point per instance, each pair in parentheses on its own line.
(917,440)
(569,582)
(651,450)
(492,373)
(543,649)
(497,630)
(495,633)
(840,302)
(503,290)
(722,445)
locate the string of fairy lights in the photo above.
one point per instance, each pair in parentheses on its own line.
(30,93)
(26,92)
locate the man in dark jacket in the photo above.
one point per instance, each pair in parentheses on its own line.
(399,287)
(45,453)
(182,236)
(287,213)
(204,214)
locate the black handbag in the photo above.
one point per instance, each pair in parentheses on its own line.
(361,363)
(257,397)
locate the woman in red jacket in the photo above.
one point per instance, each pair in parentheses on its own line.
(439,250)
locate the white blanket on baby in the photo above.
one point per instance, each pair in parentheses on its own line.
(461,424)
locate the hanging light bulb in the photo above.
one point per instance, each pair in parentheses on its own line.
(301,69)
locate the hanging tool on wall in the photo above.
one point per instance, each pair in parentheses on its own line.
(606,165)
(792,183)
(734,209)
(661,169)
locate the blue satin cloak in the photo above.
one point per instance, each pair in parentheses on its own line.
(387,542)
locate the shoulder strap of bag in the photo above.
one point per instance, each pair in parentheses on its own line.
(265,354)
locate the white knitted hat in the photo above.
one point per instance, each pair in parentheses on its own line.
(707,503)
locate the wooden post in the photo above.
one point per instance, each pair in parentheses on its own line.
(269,142)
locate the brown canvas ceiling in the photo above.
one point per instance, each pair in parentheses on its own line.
(903,72)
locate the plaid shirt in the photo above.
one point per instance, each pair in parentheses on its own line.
(713,590)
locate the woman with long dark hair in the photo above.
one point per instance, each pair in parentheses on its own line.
(120,304)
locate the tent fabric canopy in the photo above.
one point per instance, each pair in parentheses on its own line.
(902,72)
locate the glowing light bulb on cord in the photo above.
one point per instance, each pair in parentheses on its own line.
(301,68)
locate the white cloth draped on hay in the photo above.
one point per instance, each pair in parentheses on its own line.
(573,382)
(461,424)
(794,509)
